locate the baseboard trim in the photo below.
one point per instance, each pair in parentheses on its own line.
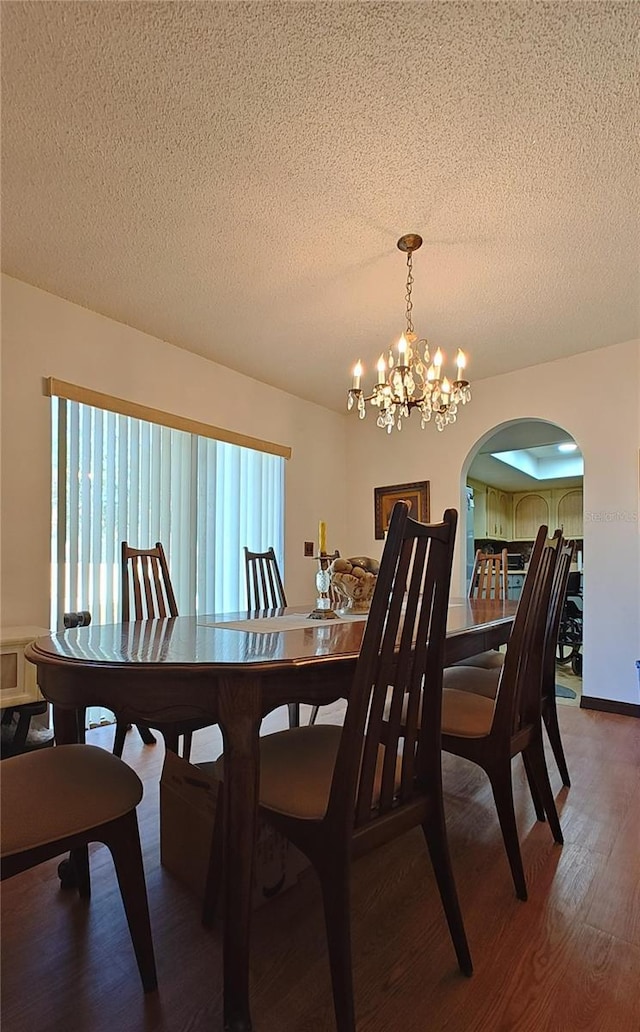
(625,709)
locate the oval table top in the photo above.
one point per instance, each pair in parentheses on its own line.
(282,637)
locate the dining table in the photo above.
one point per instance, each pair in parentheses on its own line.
(228,669)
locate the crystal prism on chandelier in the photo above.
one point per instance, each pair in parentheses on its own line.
(409,378)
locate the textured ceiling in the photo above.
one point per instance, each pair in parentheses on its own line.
(233,177)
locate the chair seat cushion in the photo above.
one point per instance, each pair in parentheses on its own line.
(491,660)
(465,714)
(54,793)
(472,679)
(296,770)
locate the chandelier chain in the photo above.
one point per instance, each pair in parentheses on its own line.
(407,296)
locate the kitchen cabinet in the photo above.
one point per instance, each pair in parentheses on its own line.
(567,504)
(501,516)
(515,584)
(530,510)
(492,512)
(559,507)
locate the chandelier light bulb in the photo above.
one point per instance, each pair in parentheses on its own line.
(357,373)
(382,369)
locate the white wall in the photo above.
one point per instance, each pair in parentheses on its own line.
(43,335)
(576,394)
(46,336)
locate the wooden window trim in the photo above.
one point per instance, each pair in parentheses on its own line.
(73,392)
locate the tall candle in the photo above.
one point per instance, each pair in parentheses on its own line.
(437,361)
(322,537)
(461,363)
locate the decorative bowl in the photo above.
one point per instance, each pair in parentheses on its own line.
(353,583)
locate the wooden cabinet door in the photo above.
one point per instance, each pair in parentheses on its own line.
(569,512)
(530,510)
(493,512)
(504,511)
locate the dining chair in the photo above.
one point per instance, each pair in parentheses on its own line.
(485,678)
(488,580)
(147,594)
(265,590)
(337,792)
(58,799)
(490,731)
(489,576)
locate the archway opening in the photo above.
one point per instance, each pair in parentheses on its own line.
(518,476)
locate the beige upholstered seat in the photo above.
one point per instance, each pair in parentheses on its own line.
(480,680)
(492,660)
(466,714)
(337,792)
(464,709)
(281,757)
(58,799)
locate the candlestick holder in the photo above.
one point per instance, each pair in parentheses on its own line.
(324,609)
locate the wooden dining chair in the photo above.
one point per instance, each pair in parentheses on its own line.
(337,792)
(489,576)
(63,798)
(147,594)
(485,677)
(488,580)
(491,731)
(265,590)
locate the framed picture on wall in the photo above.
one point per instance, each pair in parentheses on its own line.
(415,495)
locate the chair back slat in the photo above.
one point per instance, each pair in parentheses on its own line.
(147,592)
(489,577)
(401,657)
(265,589)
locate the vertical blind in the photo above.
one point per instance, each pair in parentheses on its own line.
(117,478)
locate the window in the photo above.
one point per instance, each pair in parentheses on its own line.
(118,478)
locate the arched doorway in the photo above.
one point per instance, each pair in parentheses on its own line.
(518,476)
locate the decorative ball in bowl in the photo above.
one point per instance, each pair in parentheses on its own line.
(353,581)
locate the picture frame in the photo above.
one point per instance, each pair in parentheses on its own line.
(416,495)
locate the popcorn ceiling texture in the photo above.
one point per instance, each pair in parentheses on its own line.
(233,177)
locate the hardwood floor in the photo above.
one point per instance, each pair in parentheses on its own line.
(567,960)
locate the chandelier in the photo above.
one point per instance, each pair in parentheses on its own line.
(409,378)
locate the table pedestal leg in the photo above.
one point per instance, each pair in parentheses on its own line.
(240,715)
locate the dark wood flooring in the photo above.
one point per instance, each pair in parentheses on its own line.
(567,960)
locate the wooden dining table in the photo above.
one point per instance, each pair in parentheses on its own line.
(230,670)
